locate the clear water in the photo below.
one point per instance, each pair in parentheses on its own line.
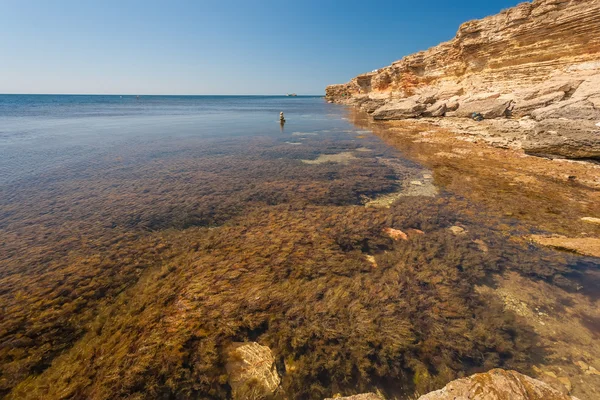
(39,133)
(162,215)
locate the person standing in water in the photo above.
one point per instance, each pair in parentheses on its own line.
(281,121)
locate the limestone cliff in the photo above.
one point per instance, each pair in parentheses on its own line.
(537,62)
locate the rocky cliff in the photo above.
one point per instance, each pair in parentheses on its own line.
(535,66)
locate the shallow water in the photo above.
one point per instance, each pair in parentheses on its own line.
(143,235)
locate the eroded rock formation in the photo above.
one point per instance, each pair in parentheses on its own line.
(537,64)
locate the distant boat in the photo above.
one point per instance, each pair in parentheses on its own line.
(292,95)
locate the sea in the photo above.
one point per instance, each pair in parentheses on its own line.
(143,239)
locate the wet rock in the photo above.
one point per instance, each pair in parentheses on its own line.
(372,104)
(587,369)
(364,396)
(481,245)
(371,260)
(585,246)
(497,384)
(566,382)
(251,370)
(563,385)
(457,230)
(591,220)
(396,234)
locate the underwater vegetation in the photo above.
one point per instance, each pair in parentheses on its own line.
(129,278)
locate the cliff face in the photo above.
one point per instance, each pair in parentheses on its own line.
(538,60)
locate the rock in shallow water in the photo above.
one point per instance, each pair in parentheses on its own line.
(586,246)
(252,372)
(497,384)
(364,396)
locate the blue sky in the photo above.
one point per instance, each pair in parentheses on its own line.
(215,47)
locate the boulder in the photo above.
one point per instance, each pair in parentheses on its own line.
(452,105)
(364,396)
(427,97)
(252,371)
(435,110)
(372,104)
(395,234)
(488,108)
(448,90)
(543,89)
(587,246)
(525,107)
(591,220)
(564,139)
(403,109)
(497,384)
(574,108)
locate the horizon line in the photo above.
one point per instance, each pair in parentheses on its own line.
(128,94)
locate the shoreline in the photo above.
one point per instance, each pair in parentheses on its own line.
(540,195)
(518,79)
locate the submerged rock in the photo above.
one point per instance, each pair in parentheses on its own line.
(586,246)
(252,371)
(591,220)
(457,230)
(396,234)
(364,396)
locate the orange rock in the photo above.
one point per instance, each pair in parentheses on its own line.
(396,234)
(371,260)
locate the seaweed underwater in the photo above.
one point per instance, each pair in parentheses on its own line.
(130,277)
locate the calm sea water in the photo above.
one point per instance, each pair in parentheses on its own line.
(42,132)
(99,194)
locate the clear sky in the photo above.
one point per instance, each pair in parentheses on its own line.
(215,47)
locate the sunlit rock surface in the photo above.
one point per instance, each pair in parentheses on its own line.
(497,384)
(539,61)
(364,396)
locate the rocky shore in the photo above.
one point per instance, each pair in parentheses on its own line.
(526,78)
(253,375)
